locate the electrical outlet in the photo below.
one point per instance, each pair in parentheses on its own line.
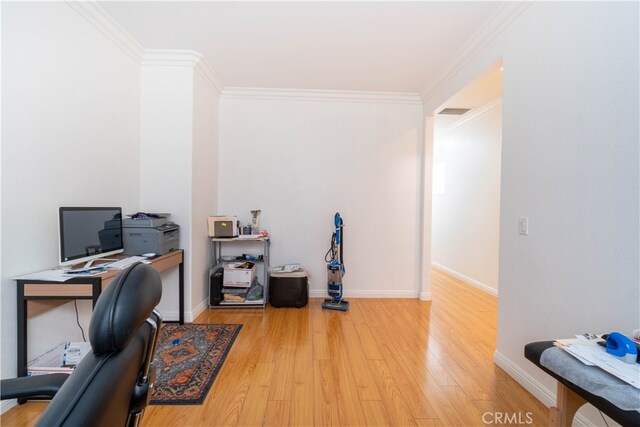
(523,226)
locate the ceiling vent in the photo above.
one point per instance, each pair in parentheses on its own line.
(454,111)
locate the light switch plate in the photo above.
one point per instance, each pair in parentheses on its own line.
(523,226)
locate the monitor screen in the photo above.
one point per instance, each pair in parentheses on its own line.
(88,233)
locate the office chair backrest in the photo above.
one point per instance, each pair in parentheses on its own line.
(111,384)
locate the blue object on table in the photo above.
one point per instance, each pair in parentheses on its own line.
(621,346)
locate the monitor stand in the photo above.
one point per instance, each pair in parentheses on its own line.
(89,264)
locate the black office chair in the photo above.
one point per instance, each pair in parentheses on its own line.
(112,385)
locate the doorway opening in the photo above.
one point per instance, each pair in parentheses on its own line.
(465,228)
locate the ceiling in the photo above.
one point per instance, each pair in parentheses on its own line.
(483,90)
(348,45)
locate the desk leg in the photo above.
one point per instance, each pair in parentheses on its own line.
(568,404)
(96,290)
(181,289)
(22,334)
(22,331)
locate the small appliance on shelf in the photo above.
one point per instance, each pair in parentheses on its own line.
(222,226)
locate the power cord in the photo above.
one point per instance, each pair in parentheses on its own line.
(605,421)
(75,303)
(333,250)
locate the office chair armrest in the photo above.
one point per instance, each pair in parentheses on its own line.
(38,386)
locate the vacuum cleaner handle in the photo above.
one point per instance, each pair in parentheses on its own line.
(337,219)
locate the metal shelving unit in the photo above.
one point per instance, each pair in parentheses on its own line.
(216,261)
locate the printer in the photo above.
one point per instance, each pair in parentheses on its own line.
(150,233)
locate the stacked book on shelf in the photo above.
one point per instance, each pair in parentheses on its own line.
(234,294)
(238,295)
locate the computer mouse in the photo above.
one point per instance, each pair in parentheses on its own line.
(149,255)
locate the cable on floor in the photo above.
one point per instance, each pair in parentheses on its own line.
(75,303)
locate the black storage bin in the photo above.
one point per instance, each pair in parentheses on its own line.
(289,289)
(215,285)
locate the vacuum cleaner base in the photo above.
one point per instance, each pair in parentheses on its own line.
(335,305)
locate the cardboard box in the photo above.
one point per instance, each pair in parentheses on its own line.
(239,274)
(62,359)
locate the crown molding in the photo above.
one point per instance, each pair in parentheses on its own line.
(493,27)
(471,115)
(207,72)
(170,57)
(103,22)
(274,94)
(184,58)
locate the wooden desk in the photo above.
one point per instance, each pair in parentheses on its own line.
(82,288)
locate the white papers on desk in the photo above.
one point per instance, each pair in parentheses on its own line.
(59,275)
(249,236)
(564,343)
(598,356)
(48,275)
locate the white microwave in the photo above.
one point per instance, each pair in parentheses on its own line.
(222,226)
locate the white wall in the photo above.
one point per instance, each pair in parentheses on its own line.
(425,219)
(179,143)
(570,164)
(300,161)
(70,129)
(205,186)
(83,124)
(166,139)
(466,198)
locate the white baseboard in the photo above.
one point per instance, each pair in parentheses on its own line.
(172,315)
(384,293)
(533,386)
(189,315)
(488,289)
(198,310)
(7,404)
(425,296)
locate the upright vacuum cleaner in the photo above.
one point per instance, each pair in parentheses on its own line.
(335,269)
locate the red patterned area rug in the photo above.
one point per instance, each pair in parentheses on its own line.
(188,359)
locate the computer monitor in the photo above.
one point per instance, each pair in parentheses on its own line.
(89,233)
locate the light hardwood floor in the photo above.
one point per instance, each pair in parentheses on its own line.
(384,362)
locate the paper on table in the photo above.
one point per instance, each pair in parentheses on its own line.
(565,343)
(627,372)
(49,275)
(587,339)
